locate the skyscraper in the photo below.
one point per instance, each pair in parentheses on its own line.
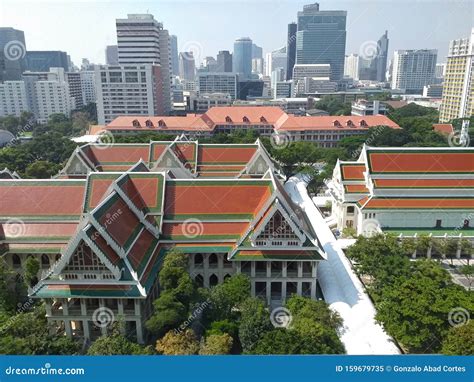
(174,55)
(224,61)
(43,60)
(321,38)
(242,58)
(12,54)
(187,66)
(413,69)
(111,55)
(291,50)
(143,40)
(257,51)
(458,85)
(351,66)
(274,60)
(380,61)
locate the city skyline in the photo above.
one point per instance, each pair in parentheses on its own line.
(199,34)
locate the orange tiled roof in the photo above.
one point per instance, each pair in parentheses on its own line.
(444,128)
(421,161)
(328,122)
(420,203)
(423,183)
(352,171)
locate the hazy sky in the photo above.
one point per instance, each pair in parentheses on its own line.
(84,28)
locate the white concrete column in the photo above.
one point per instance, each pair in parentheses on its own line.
(283,269)
(269,292)
(65,307)
(139,332)
(252,288)
(313,290)
(87,331)
(299,288)
(137,307)
(67,327)
(314,269)
(120,306)
(47,306)
(252,268)
(220,268)
(428,252)
(300,268)
(83,307)
(269,268)
(283,291)
(238,267)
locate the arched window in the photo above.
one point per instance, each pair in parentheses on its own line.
(148,123)
(199,281)
(198,259)
(45,261)
(245,120)
(161,123)
(16,261)
(263,119)
(213,280)
(136,123)
(213,259)
(228,119)
(227,276)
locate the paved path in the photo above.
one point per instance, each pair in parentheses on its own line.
(342,290)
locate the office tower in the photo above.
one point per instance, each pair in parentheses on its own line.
(209,64)
(413,69)
(440,70)
(276,59)
(379,63)
(224,61)
(351,66)
(111,55)
(321,38)
(43,60)
(257,51)
(73,80)
(242,58)
(458,84)
(291,50)
(12,54)
(128,90)
(143,40)
(174,55)
(225,83)
(187,66)
(313,78)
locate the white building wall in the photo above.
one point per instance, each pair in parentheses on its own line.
(13,100)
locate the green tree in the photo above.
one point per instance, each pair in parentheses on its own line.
(168,314)
(459,340)
(31,269)
(178,343)
(217,344)
(279,341)
(117,344)
(255,322)
(42,169)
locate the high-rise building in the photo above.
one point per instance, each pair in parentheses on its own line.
(12,54)
(13,98)
(242,58)
(73,80)
(257,51)
(174,55)
(440,70)
(351,66)
(321,38)
(313,78)
(257,65)
(276,59)
(413,69)
(458,85)
(209,64)
(128,90)
(380,60)
(111,55)
(48,93)
(187,66)
(143,40)
(225,83)
(43,60)
(291,50)
(224,61)
(88,86)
